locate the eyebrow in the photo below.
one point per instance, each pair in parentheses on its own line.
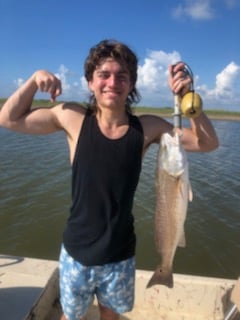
(107,71)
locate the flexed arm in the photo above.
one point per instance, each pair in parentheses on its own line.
(16,113)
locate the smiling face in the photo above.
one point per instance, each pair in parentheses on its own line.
(110,84)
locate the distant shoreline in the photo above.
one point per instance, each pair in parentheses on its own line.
(211,116)
(165,112)
(224,117)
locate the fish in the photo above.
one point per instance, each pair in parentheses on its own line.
(173,193)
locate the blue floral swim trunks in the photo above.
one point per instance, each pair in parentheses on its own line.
(113,284)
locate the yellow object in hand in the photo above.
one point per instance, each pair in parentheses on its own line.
(191,105)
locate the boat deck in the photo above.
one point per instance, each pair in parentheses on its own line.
(21,282)
(29,291)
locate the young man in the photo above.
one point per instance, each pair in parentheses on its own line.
(106,145)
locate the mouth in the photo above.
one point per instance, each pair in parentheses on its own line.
(111,93)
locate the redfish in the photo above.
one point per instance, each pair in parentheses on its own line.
(173,191)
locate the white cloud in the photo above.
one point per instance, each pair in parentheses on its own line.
(84,84)
(198,10)
(62,74)
(19,82)
(153,83)
(225,80)
(73,86)
(226,90)
(152,74)
(202,9)
(153,77)
(231,4)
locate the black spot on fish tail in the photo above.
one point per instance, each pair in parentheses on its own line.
(161,276)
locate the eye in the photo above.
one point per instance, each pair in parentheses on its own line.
(103,75)
(122,77)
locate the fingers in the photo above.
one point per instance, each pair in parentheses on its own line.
(179,80)
(55,91)
(51,86)
(47,82)
(181,85)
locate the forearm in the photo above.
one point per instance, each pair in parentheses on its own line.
(19,103)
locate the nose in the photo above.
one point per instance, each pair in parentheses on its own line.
(112,80)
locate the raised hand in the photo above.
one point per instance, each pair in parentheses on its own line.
(179,80)
(47,82)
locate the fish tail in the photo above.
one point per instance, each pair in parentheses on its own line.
(161,276)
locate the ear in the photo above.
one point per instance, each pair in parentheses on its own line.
(90,86)
(130,88)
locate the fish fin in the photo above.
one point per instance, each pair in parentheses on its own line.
(181,187)
(190,195)
(181,190)
(161,276)
(182,240)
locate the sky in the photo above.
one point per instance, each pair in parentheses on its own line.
(56,35)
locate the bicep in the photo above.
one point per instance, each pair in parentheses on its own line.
(154,127)
(36,121)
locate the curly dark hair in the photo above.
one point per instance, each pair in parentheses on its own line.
(119,52)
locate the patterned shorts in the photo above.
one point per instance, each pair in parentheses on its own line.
(113,284)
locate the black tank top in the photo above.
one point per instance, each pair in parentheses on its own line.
(105,174)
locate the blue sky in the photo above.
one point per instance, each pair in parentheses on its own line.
(57,35)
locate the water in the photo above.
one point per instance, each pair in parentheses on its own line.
(35,200)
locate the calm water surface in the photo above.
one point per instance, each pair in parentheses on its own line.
(35,199)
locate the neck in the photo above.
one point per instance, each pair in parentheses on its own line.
(111,118)
(112,124)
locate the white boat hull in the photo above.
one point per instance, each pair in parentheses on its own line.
(192,298)
(29,290)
